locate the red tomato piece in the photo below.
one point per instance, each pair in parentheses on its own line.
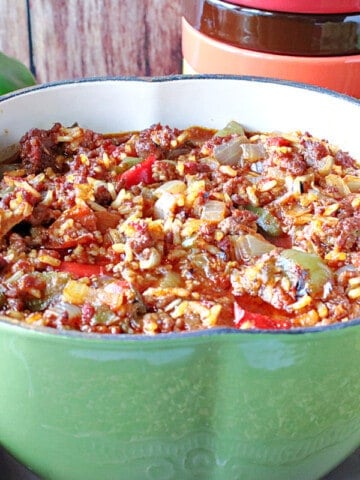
(278,142)
(107,220)
(80,270)
(258,320)
(283,241)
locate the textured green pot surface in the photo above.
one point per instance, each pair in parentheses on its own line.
(211,406)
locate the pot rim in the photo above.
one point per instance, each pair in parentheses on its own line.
(7,321)
(180,77)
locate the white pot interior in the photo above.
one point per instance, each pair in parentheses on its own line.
(109,105)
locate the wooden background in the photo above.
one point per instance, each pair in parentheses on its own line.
(68,39)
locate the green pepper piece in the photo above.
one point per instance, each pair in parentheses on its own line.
(307,270)
(230,129)
(266,221)
(55,282)
(13,74)
(127,163)
(104,315)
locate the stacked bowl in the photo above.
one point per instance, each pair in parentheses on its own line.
(312,42)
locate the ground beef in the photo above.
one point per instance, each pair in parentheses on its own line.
(42,215)
(347,234)
(155,140)
(40,149)
(141,238)
(240,221)
(314,150)
(103,196)
(344,159)
(153,231)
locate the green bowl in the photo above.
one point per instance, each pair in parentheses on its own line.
(217,404)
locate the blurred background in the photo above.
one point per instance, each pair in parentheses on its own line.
(67,39)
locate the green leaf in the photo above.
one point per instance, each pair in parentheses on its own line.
(13,75)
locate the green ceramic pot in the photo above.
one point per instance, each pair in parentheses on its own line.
(212,405)
(218,405)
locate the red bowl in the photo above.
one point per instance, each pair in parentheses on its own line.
(303,6)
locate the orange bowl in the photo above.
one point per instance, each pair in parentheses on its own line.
(275,32)
(204,54)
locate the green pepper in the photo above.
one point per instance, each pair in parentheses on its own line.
(104,315)
(266,221)
(127,163)
(307,271)
(13,74)
(55,282)
(230,129)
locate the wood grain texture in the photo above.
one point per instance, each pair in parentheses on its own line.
(82,38)
(14,39)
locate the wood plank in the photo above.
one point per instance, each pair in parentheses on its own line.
(14,30)
(82,38)
(163,27)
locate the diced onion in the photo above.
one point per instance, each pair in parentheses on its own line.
(171,280)
(111,294)
(229,153)
(336,182)
(58,310)
(200,261)
(164,206)
(353,183)
(189,241)
(249,246)
(213,211)
(325,165)
(252,152)
(172,186)
(344,273)
(300,184)
(151,260)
